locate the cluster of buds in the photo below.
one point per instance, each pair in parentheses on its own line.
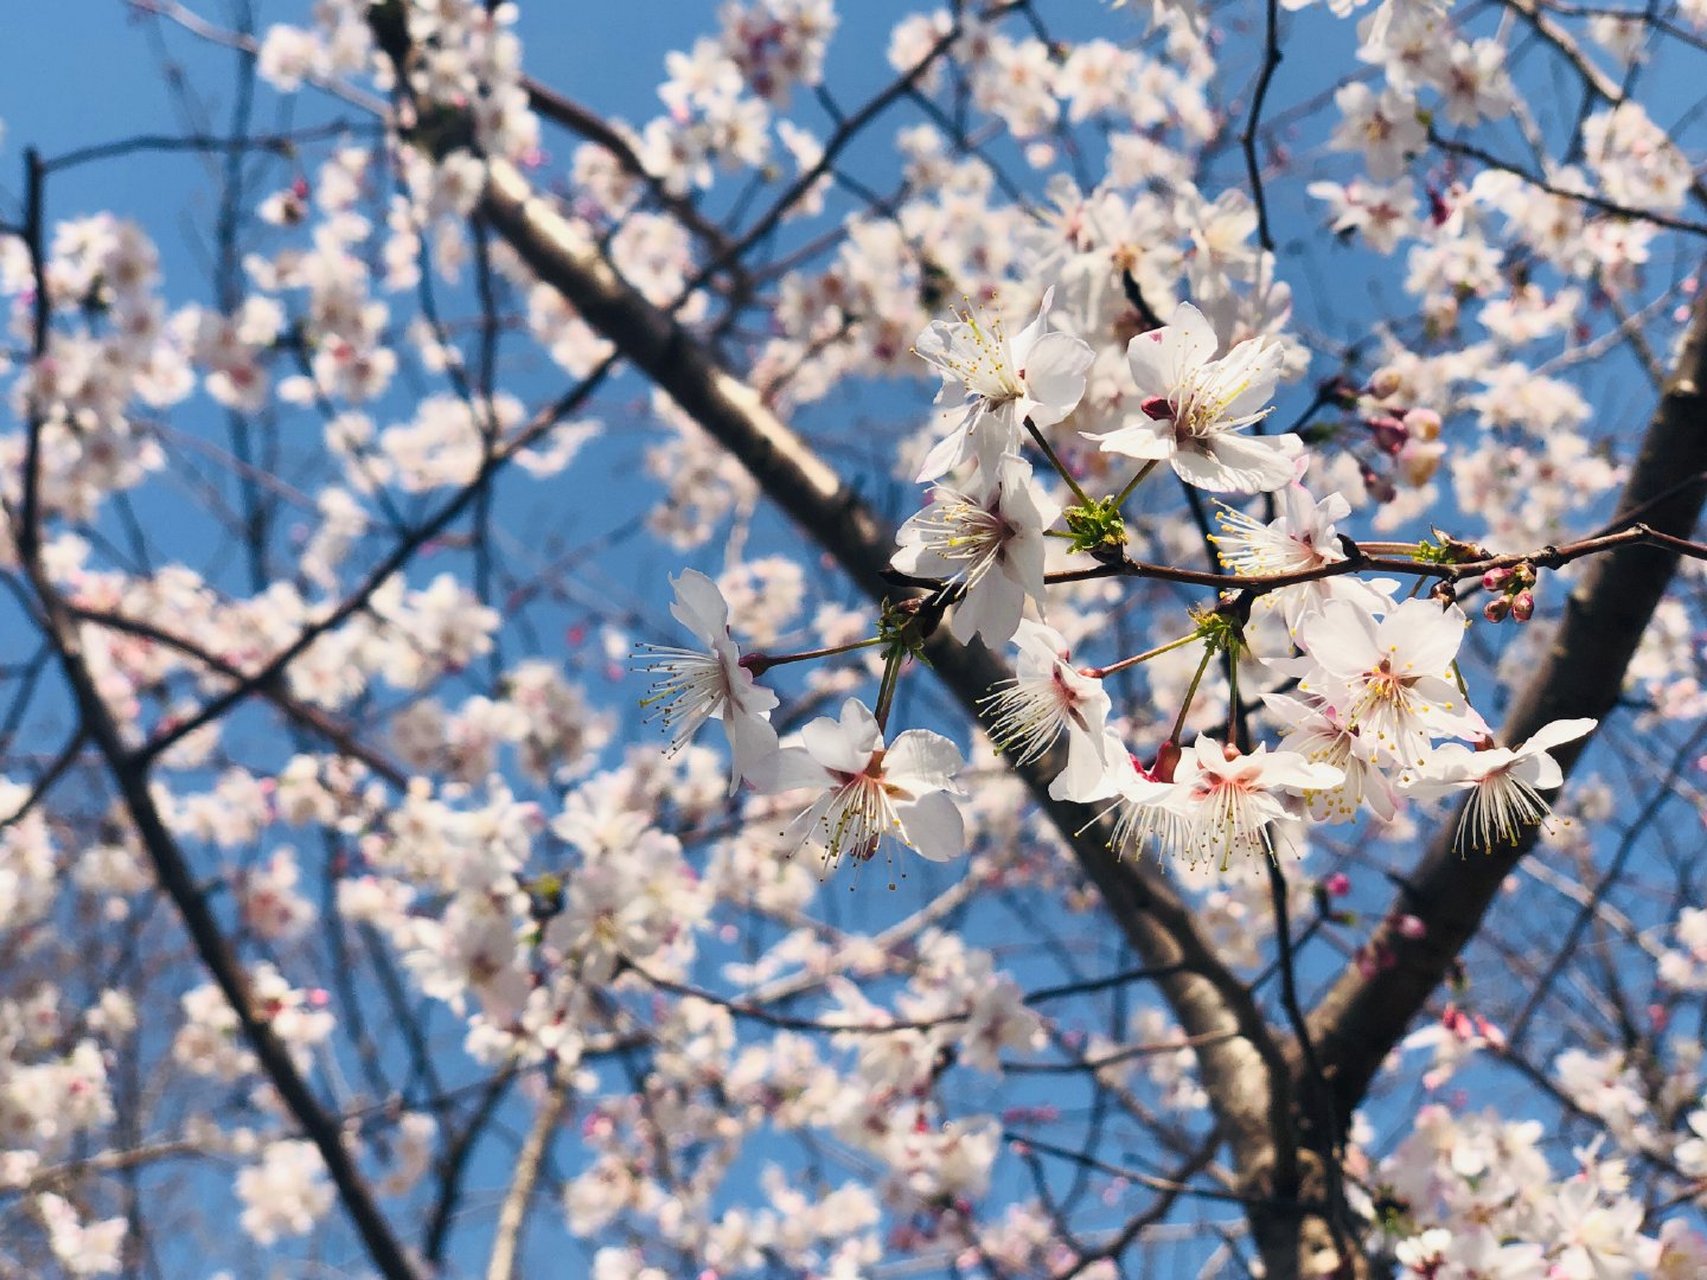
(1406,437)
(1514,590)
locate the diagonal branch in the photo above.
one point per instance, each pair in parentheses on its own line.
(1361,1018)
(1244,1074)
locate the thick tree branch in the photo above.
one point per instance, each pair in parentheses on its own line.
(1240,1073)
(1361,1018)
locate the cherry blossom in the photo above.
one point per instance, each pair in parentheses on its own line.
(1389,679)
(1504,783)
(1037,377)
(989,542)
(1192,407)
(1049,697)
(698,685)
(869,791)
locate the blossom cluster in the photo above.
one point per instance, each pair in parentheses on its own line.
(1377,707)
(385,718)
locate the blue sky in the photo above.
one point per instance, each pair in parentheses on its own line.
(79,73)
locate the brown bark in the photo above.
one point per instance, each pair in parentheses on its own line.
(1361,1018)
(1206,997)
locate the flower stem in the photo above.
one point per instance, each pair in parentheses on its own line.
(1233,699)
(892,661)
(1102,673)
(1144,471)
(1055,461)
(1191,695)
(759,663)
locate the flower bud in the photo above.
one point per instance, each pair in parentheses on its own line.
(1523,605)
(1424,424)
(1390,434)
(1497,610)
(1411,927)
(1380,487)
(1385,383)
(1495,579)
(1338,884)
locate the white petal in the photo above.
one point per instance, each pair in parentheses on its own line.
(1054,374)
(752,743)
(920,761)
(1229,463)
(1555,734)
(699,605)
(1140,438)
(933,827)
(951,450)
(991,610)
(789,769)
(844,745)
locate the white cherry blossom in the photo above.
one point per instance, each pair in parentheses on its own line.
(1048,697)
(1192,408)
(1037,375)
(1504,783)
(696,685)
(869,791)
(989,541)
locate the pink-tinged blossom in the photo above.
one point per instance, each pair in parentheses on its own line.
(1192,408)
(1504,783)
(1037,375)
(696,685)
(1303,538)
(1315,731)
(1232,800)
(1048,697)
(1383,126)
(1390,679)
(867,791)
(1148,809)
(989,540)
(1379,212)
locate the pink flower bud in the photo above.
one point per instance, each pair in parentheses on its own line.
(1338,884)
(1497,609)
(1390,434)
(1494,579)
(1523,606)
(1410,927)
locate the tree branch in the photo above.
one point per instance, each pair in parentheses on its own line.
(1361,1018)
(1244,1074)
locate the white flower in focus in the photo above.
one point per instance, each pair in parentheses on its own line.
(1232,799)
(1193,406)
(1390,680)
(1302,538)
(990,541)
(1505,783)
(1149,809)
(1316,732)
(869,791)
(694,686)
(1046,698)
(1037,375)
